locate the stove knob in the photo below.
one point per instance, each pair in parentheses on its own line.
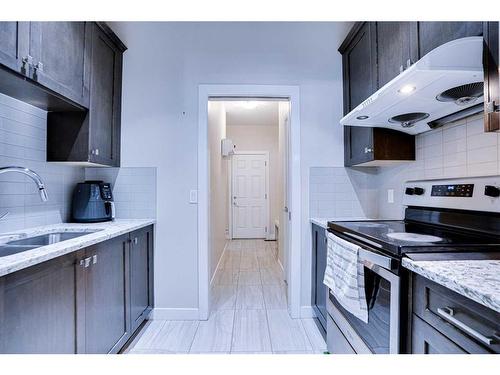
(418,191)
(491,191)
(409,191)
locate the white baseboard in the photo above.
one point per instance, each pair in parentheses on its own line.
(307,312)
(218,263)
(174,314)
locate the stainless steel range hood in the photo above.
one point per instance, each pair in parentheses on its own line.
(447,80)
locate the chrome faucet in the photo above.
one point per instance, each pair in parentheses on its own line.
(33,175)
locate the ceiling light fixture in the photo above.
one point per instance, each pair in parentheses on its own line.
(406,89)
(363,117)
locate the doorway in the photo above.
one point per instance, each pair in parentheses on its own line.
(288,223)
(250,197)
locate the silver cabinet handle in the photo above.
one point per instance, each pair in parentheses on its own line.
(401,69)
(39,66)
(447,313)
(85,263)
(135,241)
(94,259)
(94,151)
(408,63)
(368,150)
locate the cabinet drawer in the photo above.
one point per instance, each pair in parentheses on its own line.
(427,340)
(474,327)
(335,341)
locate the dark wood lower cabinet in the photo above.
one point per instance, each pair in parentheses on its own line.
(106,314)
(90,301)
(446,322)
(38,308)
(427,340)
(141,276)
(319,290)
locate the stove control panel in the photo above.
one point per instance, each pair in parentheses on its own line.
(456,190)
(466,193)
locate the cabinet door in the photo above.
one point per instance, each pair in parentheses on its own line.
(60,52)
(105,100)
(427,340)
(393,49)
(141,275)
(358,145)
(106,289)
(38,308)
(359,66)
(433,34)
(14,42)
(491,77)
(321,290)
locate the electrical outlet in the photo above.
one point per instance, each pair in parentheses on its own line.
(193,196)
(390,195)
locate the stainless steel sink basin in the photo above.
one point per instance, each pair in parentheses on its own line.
(29,243)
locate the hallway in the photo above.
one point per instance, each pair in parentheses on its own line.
(248,312)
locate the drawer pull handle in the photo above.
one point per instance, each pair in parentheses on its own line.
(447,313)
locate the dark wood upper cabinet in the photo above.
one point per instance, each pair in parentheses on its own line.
(434,34)
(394,46)
(14,45)
(92,136)
(60,53)
(105,99)
(372,147)
(359,65)
(491,77)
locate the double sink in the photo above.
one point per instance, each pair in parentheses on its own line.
(29,243)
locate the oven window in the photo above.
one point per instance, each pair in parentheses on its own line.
(375,333)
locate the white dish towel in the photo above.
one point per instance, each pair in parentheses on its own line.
(344,275)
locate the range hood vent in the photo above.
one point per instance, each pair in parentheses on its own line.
(448,80)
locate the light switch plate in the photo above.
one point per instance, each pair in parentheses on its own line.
(390,195)
(193,196)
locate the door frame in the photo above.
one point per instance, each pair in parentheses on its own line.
(292,94)
(230,195)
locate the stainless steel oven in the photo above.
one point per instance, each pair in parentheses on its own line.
(382,333)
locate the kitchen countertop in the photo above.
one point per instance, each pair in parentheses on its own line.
(25,259)
(323,222)
(478,280)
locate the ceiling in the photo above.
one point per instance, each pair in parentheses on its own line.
(258,113)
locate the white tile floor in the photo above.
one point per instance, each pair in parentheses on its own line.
(248,315)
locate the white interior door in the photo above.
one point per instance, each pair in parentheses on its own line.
(249,195)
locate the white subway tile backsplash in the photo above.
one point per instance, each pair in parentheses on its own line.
(460,149)
(134,190)
(337,192)
(23,143)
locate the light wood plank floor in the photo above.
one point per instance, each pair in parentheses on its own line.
(249,314)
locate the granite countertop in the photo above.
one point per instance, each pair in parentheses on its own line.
(478,280)
(98,232)
(323,222)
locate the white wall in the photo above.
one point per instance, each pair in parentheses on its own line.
(218,170)
(261,138)
(23,139)
(163,66)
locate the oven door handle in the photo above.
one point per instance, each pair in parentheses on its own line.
(377,259)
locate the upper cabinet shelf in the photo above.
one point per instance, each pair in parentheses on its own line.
(73,70)
(374,53)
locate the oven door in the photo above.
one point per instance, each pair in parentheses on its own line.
(381,335)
